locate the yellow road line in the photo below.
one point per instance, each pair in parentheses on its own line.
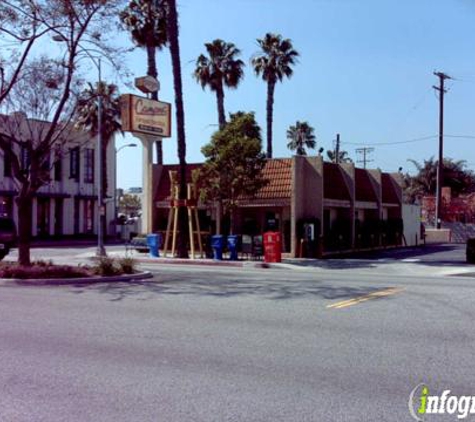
(357,300)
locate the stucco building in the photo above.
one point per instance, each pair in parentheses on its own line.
(314,204)
(67,204)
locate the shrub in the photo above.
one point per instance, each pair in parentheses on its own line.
(43,263)
(127,265)
(43,270)
(105,266)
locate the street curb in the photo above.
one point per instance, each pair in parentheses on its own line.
(178,261)
(74,281)
(210,263)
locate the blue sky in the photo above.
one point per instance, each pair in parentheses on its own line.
(365,71)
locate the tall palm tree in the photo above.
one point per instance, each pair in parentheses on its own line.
(87,117)
(221,68)
(301,136)
(173,36)
(273,63)
(146,22)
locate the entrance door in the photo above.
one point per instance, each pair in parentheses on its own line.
(58,217)
(43,209)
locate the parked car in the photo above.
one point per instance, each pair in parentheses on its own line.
(8,236)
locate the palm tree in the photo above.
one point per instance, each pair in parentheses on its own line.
(342,156)
(424,182)
(172,29)
(146,22)
(219,69)
(301,136)
(273,63)
(87,117)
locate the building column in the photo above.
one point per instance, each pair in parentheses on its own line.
(51,220)
(147,182)
(34,217)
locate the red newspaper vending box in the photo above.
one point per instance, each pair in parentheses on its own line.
(272,247)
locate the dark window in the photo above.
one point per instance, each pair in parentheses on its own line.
(46,165)
(74,163)
(7,166)
(6,206)
(89,216)
(89,166)
(58,169)
(7,224)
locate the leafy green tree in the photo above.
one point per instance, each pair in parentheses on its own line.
(301,136)
(343,156)
(87,117)
(173,37)
(146,22)
(220,69)
(129,204)
(273,63)
(234,164)
(40,83)
(424,182)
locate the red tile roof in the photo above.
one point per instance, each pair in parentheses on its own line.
(277,171)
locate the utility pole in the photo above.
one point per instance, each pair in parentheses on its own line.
(337,149)
(101,251)
(440,165)
(365,151)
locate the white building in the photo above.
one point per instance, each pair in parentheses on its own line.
(67,204)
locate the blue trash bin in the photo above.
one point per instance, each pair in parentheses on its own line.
(217,243)
(232,246)
(153,242)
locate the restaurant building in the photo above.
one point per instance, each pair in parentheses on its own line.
(318,207)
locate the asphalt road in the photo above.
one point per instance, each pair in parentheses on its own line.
(216,345)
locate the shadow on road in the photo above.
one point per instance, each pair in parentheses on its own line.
(274,290)
(454,251)
(444,255)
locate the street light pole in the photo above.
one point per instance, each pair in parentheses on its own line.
(100,194)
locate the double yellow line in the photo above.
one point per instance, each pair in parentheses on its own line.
(355,301)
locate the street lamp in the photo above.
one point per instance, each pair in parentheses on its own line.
(100,194)
(116,199)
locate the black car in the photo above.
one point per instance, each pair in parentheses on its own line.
(7,236)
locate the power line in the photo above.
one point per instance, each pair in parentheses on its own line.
(460,136)
(408,141)
(424,138)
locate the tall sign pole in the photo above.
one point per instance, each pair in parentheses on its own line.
(440,164)
(148,120)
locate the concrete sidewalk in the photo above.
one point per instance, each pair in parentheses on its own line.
(441,261)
